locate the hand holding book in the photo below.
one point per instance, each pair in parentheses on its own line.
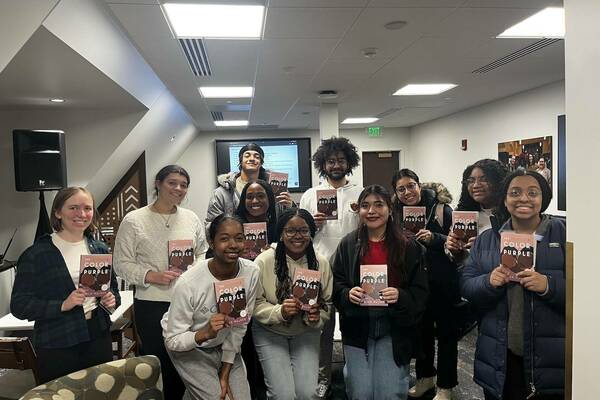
(108,300)
(76,298)
(289,308)
(215,324)
(314,314)
(533,281)
(499,276)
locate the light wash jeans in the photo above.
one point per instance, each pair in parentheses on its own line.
(290,363)
(374,375)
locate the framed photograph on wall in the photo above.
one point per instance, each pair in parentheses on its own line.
(533,154)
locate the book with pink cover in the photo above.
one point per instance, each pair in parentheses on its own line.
(95,271)
(517,252)
(255,239)
(327,203)
(181,254)
(414,218)
(373,278)
(464,224)
(305,288)
(231,301)
(279,182)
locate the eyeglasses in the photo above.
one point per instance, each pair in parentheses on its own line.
(258,196)
(472,180)
(332,161)
(411,186)
(291,232)
(517,193)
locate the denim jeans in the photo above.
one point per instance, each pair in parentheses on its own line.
(374,375)
(290,363)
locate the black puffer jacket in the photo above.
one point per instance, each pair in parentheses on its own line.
(403,316)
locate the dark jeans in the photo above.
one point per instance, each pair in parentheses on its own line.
(515,386)
(54,363)
(255,376)
(147,320)
(440,313)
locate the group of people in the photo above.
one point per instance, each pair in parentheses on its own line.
(287,348)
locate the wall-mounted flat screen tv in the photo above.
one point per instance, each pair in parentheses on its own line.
(292,156)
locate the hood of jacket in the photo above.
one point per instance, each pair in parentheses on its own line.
(227,181)
(435,191)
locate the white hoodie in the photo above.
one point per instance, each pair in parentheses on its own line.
(329,236)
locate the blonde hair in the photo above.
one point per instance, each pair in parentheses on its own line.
(61,198)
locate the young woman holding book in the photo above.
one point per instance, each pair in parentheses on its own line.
(286,337)
(69,326)
(204,348)
(439,318)
(379,341)
(481,191)
(521,342)
(142,259)
(258,204)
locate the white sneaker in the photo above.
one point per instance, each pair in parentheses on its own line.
(422,386)
(443,394)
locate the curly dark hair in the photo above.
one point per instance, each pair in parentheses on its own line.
(502,211)
(333,145)
(242,211)
(494,171)
(284,281)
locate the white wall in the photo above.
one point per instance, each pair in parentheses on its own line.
(435,146)
(199,158)
(583,144)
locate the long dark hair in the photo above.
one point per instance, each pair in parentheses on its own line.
(502,211)
(403,173)
(284,281)
(395,241)
(271,220)
(494,171)
(170,169)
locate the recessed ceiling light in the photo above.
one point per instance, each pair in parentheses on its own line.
(363,120)
(395,25)
(232,123)
(426,89)
(215,20)
(223,92)
(548,23)
(57,100)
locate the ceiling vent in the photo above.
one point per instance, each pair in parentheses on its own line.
(262,127)
(516,55)
(387,112)
(216,115)
(195,53)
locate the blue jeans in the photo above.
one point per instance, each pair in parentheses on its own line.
(374,375)
(290,363)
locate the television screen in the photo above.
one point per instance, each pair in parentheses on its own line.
(291,156)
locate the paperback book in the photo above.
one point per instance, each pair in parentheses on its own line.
(517,252)
(278,182)
(94,274)
(464,224)
(231,301)
(305,288)
(413,218)
(255,239)
(373,278)
(181,255)
(327,203)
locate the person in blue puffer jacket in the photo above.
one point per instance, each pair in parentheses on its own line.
(521,342)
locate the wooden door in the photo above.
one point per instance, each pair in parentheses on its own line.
(378,167)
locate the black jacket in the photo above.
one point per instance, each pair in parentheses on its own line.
(403,316)
(42,284)
(543,315)
(443,274)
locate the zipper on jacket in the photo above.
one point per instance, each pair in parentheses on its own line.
(532,360)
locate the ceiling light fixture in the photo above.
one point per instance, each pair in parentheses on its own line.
(57,100)
(217,21)
(226,92)
(548,23)
(427,89)
(231,123)
(361,120)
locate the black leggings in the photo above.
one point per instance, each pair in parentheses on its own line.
(147,320)
(54,363)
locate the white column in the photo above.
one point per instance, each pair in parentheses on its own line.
(582,61)
(328,121)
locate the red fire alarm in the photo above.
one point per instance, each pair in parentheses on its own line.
(463,145)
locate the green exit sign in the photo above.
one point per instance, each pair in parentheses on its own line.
(374,131)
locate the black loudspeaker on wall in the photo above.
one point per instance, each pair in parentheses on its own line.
(40,160)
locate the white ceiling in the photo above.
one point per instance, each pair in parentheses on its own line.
(312,45)
(45,67)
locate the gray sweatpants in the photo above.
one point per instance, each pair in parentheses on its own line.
(199,370)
